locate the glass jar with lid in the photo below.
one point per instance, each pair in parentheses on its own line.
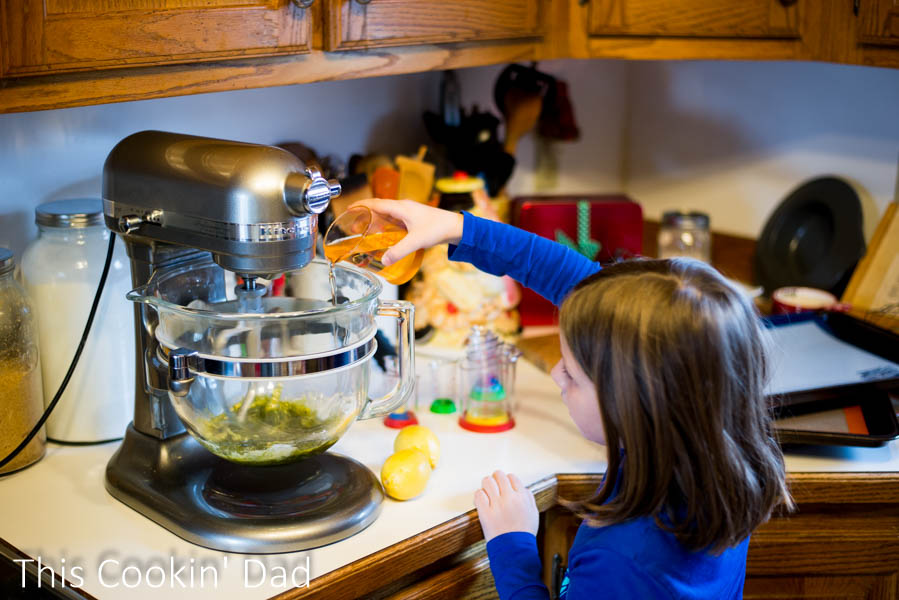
(21,398)
(685,234)
(61,270)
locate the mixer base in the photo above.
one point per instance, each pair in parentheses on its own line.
(247,509)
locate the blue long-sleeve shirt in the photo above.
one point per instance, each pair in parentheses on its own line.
(548,268)
(634,559)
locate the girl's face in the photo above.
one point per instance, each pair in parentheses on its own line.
(579,395)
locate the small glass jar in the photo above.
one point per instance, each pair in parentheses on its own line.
(21,398)
(685,234)
(61,270)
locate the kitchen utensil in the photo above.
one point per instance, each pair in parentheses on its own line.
(277,386)
(527,80)
(519,92)
(487,381)
(60,270)
(814,238)
(833,379)
(873,290)
(402,416)
(438,388)
(232,370)
(545,101)
(361,237)
(416,177)
(21,396)
(474,147)
(522,109)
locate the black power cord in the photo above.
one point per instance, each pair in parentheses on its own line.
(65,380)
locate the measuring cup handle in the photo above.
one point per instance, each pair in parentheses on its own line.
(404,313)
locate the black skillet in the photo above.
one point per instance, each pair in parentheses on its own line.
(814,238)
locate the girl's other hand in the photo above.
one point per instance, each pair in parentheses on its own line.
(427,226)
(505,505)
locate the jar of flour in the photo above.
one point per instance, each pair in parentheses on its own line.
(61,270)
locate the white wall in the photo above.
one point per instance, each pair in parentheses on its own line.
(730,138)
(59,154)
(734,138)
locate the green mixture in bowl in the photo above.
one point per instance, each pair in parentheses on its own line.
(269,430)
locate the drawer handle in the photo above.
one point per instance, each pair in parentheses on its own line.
(787,3)
(363,1)
(303,3)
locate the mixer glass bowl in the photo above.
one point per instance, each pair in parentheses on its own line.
(273,420)
(282,384)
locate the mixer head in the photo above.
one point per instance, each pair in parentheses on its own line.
(253,207)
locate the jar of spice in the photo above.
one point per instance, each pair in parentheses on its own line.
(61,270)
(21,397)
(685,234)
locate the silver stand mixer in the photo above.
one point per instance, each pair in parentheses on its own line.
(237,396)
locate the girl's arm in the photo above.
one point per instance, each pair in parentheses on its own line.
(509,518)
(548,268)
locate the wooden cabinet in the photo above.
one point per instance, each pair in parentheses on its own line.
(62,53)
(842,541)
(695,18)
(54,36)
(355,24)
(878,22)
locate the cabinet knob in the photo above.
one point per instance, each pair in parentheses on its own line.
(303,3)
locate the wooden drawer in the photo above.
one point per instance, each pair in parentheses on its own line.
(351,24)
(695,18)
(48,36)
(878,22)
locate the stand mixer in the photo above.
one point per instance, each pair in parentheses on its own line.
(238,395)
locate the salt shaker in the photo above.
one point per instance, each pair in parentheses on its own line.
(61,270)
(685,234)
(21,398)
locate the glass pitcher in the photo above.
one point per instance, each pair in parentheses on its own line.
(276,386)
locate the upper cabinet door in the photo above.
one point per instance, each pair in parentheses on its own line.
(879,22)
(695,18)
(354,24)
(50,36)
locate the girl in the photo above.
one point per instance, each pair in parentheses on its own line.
(662,361)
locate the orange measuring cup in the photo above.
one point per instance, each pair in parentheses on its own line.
(360,237)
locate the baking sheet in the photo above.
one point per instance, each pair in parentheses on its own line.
(806,356)
(849,419)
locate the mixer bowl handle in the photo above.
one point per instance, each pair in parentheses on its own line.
(404,313)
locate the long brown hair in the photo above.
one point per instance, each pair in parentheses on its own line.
(679,361)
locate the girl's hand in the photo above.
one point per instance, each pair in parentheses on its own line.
(427,226)
(505,505)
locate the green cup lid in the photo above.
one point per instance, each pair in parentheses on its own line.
(443,406)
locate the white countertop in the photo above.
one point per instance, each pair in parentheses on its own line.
(59,509)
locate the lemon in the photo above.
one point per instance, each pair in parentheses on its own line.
(405,474)
(420,437)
